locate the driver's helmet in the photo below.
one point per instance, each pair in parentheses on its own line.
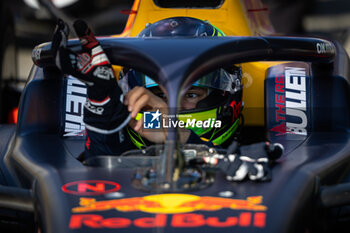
(224,99)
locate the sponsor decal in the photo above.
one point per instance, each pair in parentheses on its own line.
(83,60)
(152,120)
(98,58)
(236,108)
(103,72)
(170,210)
(324,48)
(98,110)
(289,100)
(170,204)
(244,219)
(75,100)
(96,107)
(90,187)
(36,54)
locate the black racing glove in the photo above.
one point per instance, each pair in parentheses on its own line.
(91,66)
(251,161)
(104,110)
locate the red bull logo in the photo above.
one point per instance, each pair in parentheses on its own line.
(170,204)
(169,209)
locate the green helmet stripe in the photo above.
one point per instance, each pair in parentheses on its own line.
(227,134)
(212,135)
(220,33)
(137,143)
(216,132)
(214,32)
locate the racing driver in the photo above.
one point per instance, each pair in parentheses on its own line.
(109,108)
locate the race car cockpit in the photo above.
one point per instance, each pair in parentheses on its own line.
(97,193)
(177,71)
(296,96)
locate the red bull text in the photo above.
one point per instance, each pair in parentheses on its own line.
(244,219)
(170,210)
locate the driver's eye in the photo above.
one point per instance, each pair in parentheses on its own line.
(191,95)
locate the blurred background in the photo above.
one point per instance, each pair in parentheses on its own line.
(25,24)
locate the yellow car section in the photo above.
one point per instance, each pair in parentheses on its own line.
(234,18)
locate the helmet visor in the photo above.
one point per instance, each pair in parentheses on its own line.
(219,79)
